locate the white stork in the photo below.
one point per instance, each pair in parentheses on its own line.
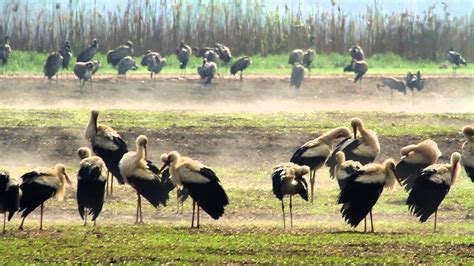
(362,190)
(145,178)
(431,187)
(38,186)
(288,179)
(10,195)
(344,169)
(202,184)
(315,152)
(467,158)
(108,145)
(414,159)
(91,179)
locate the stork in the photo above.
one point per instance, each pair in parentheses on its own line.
(108,145)
(431,187)
(145,178)
(362,190)
(296,56)
(114,56)
(202,184)
(456,59)
(39,185)
(288,179)
(5,51)
(65,52)
(10,195)
(356,52)
(240,65)
(297,75)
(207,71)
(308,58)
(183,53)
(468,151)
(359,67)
(344,169)
(414,159)
(89,52)
(91,179)
(125,64)
(315,152)
(52,65)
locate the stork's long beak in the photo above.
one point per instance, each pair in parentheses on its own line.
(163,167)
(144,147)
(67,178)
(354,129)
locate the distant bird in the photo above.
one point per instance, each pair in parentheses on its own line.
(468,151)
(358,67)
(315,152)
(431,187)
(297,75)
(52,65)
(414,159)
(146,55)
(155,64)
(38,186)
(394,85)
(308,58)
(363,149)
(414,81)
(344,169)
(145,177)
(65,52)
(200,52)
(202,183)
(356,53)
(288,179)
(10,195)
(211,56)
(362,190)
(223,52)
(91,180)
(183,53)
(5,51)
(83,71)
(88,53)
(240,65)
(455,59)
(114,56)
(108,145)
(207,71)
(125,65)
(296,56)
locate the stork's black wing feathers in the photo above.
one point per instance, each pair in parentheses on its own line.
(276,183)
(90,191)
(407,172)
(470,172)
(12,200)
(346,145)
(33,195)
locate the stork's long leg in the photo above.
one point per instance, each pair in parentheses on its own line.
(283,212)
(177,201)
(141,213)
(435,220)
(198,214)
(241,78)
(21,225)
(312,180)
(41,217)
(365,224)
(291,211)
(194,209)
(85,217)
(112,185)
(371,222)
(107,184)
(4,221)
(138,206)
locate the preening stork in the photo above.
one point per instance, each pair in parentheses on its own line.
(65,52)
(308,58)
(52,65)
(344,169)
(145,178)
(125,64)
(288,179)
(5,51)
(91,179)
(468,151)
(89,52)
(202,184)
(363,149)
(431,187)
(362,190)
(85,70)
(108,145)
(38,186)
(211,56)
(240,65)
(356,52)
(456,59)
(207,71)
(10,195)
(414,159)
(223,52)
(414,82)
(199,52)
(315,152)
(359,67)
(154,64)
(183,53)
(296,56)
(114,56)
(297,75)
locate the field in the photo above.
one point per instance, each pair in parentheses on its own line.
(241,130)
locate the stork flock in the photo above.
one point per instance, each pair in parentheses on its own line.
(349,156)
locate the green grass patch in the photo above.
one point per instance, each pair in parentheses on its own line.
(23,62)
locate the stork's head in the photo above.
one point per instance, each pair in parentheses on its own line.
(129,44)
(340,157)
(84,152)
(94,114)
(169,158)
(356,123)
(468,132)
(61,171)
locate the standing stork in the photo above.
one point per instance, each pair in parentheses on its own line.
(288,179)
(108,145)
(296,56)
(89,52)
(431,187)
(65,52)
(145,178)
(363,149)
(468,151)
(183,53)
(456,59)
(297,75)
(125,65)
(154,64)
(202,184)
(10,195)
(114,56)
(84,72)
(359,67)
(362,190)
(52,65)
(38,186)
(207,71)
(90,184)
(223,52)
(414,159)
(5,51)
(356,52)
(308,58)
(315,152)
(241,64)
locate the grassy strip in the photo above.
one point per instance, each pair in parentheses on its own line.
(387,64)
(152,243)
(389,124)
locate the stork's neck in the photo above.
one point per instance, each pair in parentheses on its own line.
(91,129)
(140,152)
